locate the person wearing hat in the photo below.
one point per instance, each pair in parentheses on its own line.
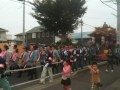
(3,78)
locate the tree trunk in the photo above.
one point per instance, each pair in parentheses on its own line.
(63,38)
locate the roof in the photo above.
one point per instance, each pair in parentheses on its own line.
(19,34)
(33,30)
(17,39)
(78,35)
(36,29)
(3,30)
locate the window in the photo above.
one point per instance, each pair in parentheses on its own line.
(33,35)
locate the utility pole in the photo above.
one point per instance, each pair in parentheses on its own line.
(81,22)
(118,21)
(117,2)
(23,21)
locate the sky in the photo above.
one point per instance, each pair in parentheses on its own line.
(11,16)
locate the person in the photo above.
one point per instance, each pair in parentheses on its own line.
(65,53)
(85,56)
(14,60)
(15,47)
(66,81)
(81,62)
(3,77)
(75,59)
(95,76)
(47,68)
(33,57)
(89,57)
(42,57)
(117,54)
(56,58)
(5,55)
(92,52)
(71,56)
(24,59)
(78,57)
(110,60)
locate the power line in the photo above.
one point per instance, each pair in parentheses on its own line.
(97,18)
(108,5)
(89,25)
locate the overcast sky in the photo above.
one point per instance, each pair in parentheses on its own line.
(11,16)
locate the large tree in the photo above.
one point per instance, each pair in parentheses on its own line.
(58,16)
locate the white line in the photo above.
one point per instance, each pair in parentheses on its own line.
(33,81)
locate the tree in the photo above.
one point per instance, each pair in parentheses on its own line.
(58,16)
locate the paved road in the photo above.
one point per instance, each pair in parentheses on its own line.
(24,77)
(81,81)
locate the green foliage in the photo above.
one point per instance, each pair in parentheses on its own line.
(58,16)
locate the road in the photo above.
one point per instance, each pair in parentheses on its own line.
(81,81)
(24,77)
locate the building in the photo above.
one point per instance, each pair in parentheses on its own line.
(9,37)
(37,35)
(3,38)
(76,37)
(19,38)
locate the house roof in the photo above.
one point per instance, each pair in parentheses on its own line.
(33,30)
(78,35)
(36,29)
(3,30)
(19,34)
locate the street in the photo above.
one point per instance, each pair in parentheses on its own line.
(81,81)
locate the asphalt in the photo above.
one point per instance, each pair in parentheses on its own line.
(15,80)
(81,81)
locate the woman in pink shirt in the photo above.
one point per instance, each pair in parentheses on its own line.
(66,82)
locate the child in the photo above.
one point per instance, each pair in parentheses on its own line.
(95,76)
(66,82)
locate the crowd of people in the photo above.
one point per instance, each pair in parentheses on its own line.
(52,57)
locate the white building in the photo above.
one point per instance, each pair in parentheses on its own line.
(3,37)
